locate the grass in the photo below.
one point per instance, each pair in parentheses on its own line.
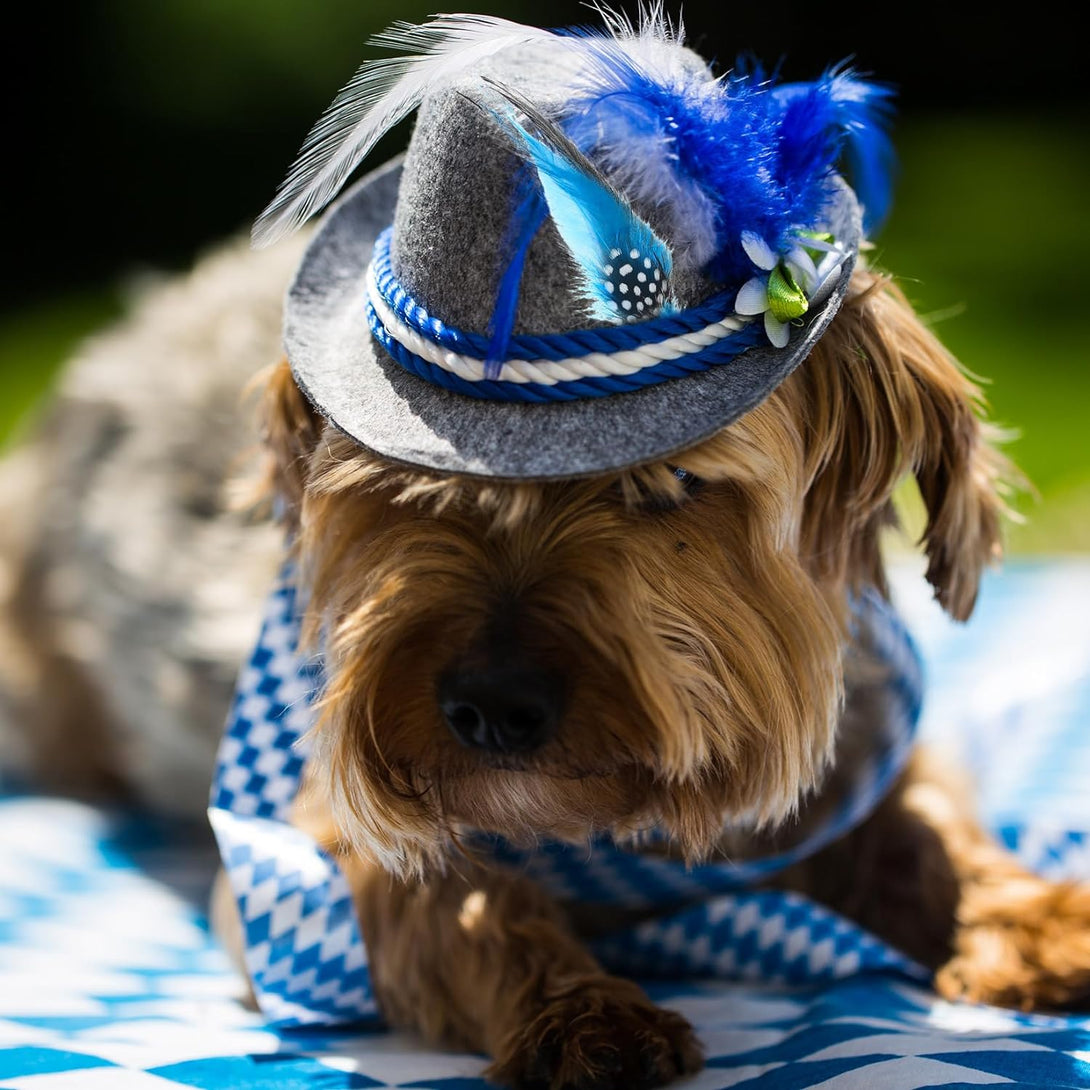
(988,236)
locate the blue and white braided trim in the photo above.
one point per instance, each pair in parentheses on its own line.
(563,366)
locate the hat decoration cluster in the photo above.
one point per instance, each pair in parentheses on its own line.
(738,173)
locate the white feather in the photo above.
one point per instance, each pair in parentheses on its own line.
(650,24)
(643,169)
(378,96)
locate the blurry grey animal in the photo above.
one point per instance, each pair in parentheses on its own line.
(129,588)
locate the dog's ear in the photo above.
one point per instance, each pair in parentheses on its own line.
(883,398)
(290,429)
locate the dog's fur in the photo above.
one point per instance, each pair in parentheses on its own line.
(699,643)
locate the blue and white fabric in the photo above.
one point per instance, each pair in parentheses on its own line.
(109,979)
(303,948)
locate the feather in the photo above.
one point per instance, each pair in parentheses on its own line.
(693,146)
(529,214)
(379,95)
(838,116)
(624,267)
(626,116)
(719,158)
(651,22)
(864,111)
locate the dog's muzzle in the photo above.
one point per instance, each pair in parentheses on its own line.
(502,709)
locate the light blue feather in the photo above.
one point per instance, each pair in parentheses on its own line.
(595,222)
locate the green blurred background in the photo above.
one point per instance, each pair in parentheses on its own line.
(152,130)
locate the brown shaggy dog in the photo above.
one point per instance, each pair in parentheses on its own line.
(692,641)
(685,648)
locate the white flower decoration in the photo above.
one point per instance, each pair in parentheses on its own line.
(791,283)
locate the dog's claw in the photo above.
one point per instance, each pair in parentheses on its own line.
(604,1037)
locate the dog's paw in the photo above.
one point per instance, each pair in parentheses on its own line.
(605,1036)
(1024,945)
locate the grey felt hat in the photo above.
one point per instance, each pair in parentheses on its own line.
(394,317)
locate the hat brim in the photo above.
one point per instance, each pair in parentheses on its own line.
(371,398)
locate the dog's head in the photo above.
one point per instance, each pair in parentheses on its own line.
(660,646)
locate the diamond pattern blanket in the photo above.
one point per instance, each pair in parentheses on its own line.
(109,979)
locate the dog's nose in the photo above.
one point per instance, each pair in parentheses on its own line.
(501,709)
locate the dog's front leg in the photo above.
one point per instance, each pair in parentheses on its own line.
(923,874)
(483,958)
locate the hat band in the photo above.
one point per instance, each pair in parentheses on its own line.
(582,363)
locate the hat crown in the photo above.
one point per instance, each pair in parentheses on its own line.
(454,214)
(457,197)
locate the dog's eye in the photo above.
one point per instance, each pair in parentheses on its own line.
(689,481)
(652,504)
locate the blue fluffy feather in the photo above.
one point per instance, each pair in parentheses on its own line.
(719,157)
(649,135)
(840,117)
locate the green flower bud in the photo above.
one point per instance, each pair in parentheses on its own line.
(786,300)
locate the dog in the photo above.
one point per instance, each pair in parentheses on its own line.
(666,645)
(647,597)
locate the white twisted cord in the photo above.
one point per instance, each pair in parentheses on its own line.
(549,372)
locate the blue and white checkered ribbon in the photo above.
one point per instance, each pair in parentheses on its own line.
(304,950)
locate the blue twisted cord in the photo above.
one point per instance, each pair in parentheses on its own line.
(552,346)
(569,390)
